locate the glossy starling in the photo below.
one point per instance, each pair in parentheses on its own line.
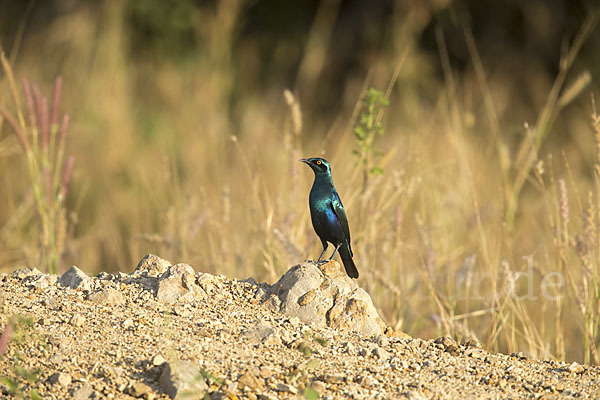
(328,215)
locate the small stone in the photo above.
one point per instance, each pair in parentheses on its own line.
(519,355)
(368,381)
(151,265)
(218,395)
(448,344)
(42,281)
(475,353)
(84,392)
(251,381)
(453,350)
(23,273)
(140,389)
(44,322)
(177,284)
(158,360)
(264,333)
(284,387)
(273,303)
(265,371)
(61,378)
(109,297)
(57,358)
(77,320)
(319,387)
(576,368)
(445,341)
(75,278)
(414,395)
(381,354)
(180,378)
(267,396)
(128,323)
(472,344)
(206,281)
(112,372)
(350,348)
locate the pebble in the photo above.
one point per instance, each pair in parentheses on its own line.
(284,387)
(77,320)
(108,297)
(319,387)
(83,392)
(576,368)
(60,378)
(158,360)
(140,389)
(381,354)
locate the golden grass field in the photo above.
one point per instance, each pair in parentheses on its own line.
(483,223)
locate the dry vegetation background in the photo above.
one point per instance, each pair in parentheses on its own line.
(185,146)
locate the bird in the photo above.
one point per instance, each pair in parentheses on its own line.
(328,215)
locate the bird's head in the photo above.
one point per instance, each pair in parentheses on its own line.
(319,165)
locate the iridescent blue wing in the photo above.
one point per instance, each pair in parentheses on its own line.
(339,211)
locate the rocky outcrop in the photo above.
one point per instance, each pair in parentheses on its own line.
(316,294)
(325,295)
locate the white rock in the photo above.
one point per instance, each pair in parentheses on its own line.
(325,295)
(151,265)
(177,284)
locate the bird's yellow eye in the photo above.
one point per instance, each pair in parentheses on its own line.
(318,162)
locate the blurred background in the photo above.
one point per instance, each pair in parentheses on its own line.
(463,138)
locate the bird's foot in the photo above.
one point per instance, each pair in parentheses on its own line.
(321,262)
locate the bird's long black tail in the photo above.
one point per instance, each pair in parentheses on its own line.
(348,262)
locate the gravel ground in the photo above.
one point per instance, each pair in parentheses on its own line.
(122,343)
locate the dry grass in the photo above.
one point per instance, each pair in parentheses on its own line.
(467,231)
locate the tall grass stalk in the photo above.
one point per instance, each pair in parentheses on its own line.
(43,139)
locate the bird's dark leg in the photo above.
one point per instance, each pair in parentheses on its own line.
(334,251)
(325,244)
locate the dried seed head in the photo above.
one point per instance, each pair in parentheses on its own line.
(563,200)
(589,221)
(596,130)
(295,111)
(539,168)
(571,92)
(506,280)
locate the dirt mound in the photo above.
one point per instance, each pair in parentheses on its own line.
(165,330)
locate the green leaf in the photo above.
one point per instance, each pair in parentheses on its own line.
(304,349)
(377,170)
(310,394)
(360,132)
(312,364)
(10,384)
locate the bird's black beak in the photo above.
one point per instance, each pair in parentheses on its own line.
(305,160)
